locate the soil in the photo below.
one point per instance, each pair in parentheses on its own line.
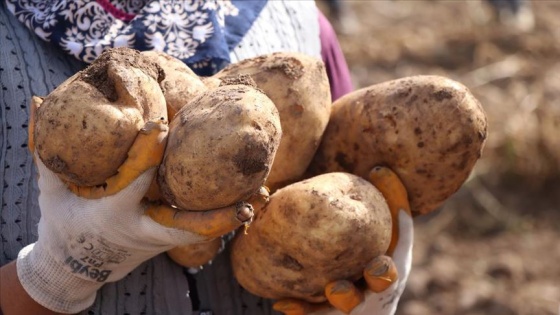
(97,74)
(493,247)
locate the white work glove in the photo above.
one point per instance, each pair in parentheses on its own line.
(90,236)
(385,276)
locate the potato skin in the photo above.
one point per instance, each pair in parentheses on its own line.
(299,87)
(430,130)
(220,148)
(180,84)
(312,232)
(195,255)
(85,127)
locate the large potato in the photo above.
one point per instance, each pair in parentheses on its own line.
(85,127)
(220,148)
(180,84)
(299,87)
(312,232)
(430,130)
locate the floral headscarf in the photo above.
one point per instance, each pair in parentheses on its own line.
(201,33)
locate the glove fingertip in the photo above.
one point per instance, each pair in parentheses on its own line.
(343,295)
(289,307)
(380,274)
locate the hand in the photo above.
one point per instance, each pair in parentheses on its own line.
(385,276)
(92,235)
(194,256)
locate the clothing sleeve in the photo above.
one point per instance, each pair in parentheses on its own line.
(335,63)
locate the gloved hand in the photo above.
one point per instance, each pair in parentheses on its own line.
(385,276)
(93,235)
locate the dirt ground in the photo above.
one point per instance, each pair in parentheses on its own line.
(494,247)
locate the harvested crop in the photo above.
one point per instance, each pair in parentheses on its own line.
(430,130)
(298,85)
(311,233)
(85,127)
(195,255)
(180,84)
(220,148)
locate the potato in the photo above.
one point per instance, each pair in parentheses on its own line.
(299,87)
(220,148)
(85,127)
(180,85)
(312,232)
(211,82)
(430,130)
(195,255)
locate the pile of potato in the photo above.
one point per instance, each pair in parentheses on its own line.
(269,121)
(219,150)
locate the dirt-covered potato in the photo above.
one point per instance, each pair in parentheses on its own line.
(211,82)
(195,255)
(430,130)
(312,232)
(299,86)
(180,84)
(85,127)
(220,148)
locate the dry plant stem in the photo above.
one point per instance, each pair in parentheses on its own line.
(343,295)
(394,192)
(507,68)
(146,152)
(440,223)
(490,203)
(209,223)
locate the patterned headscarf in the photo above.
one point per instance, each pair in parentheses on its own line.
(201,33)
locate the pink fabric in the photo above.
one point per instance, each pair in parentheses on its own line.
(337,68)
(121,15)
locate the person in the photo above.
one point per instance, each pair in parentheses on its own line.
(342,16)
(516,14)
(48,231)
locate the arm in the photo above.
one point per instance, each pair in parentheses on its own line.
(77,252)
(333,57)
(13,298)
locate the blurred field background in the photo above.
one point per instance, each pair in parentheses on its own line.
(494,248)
